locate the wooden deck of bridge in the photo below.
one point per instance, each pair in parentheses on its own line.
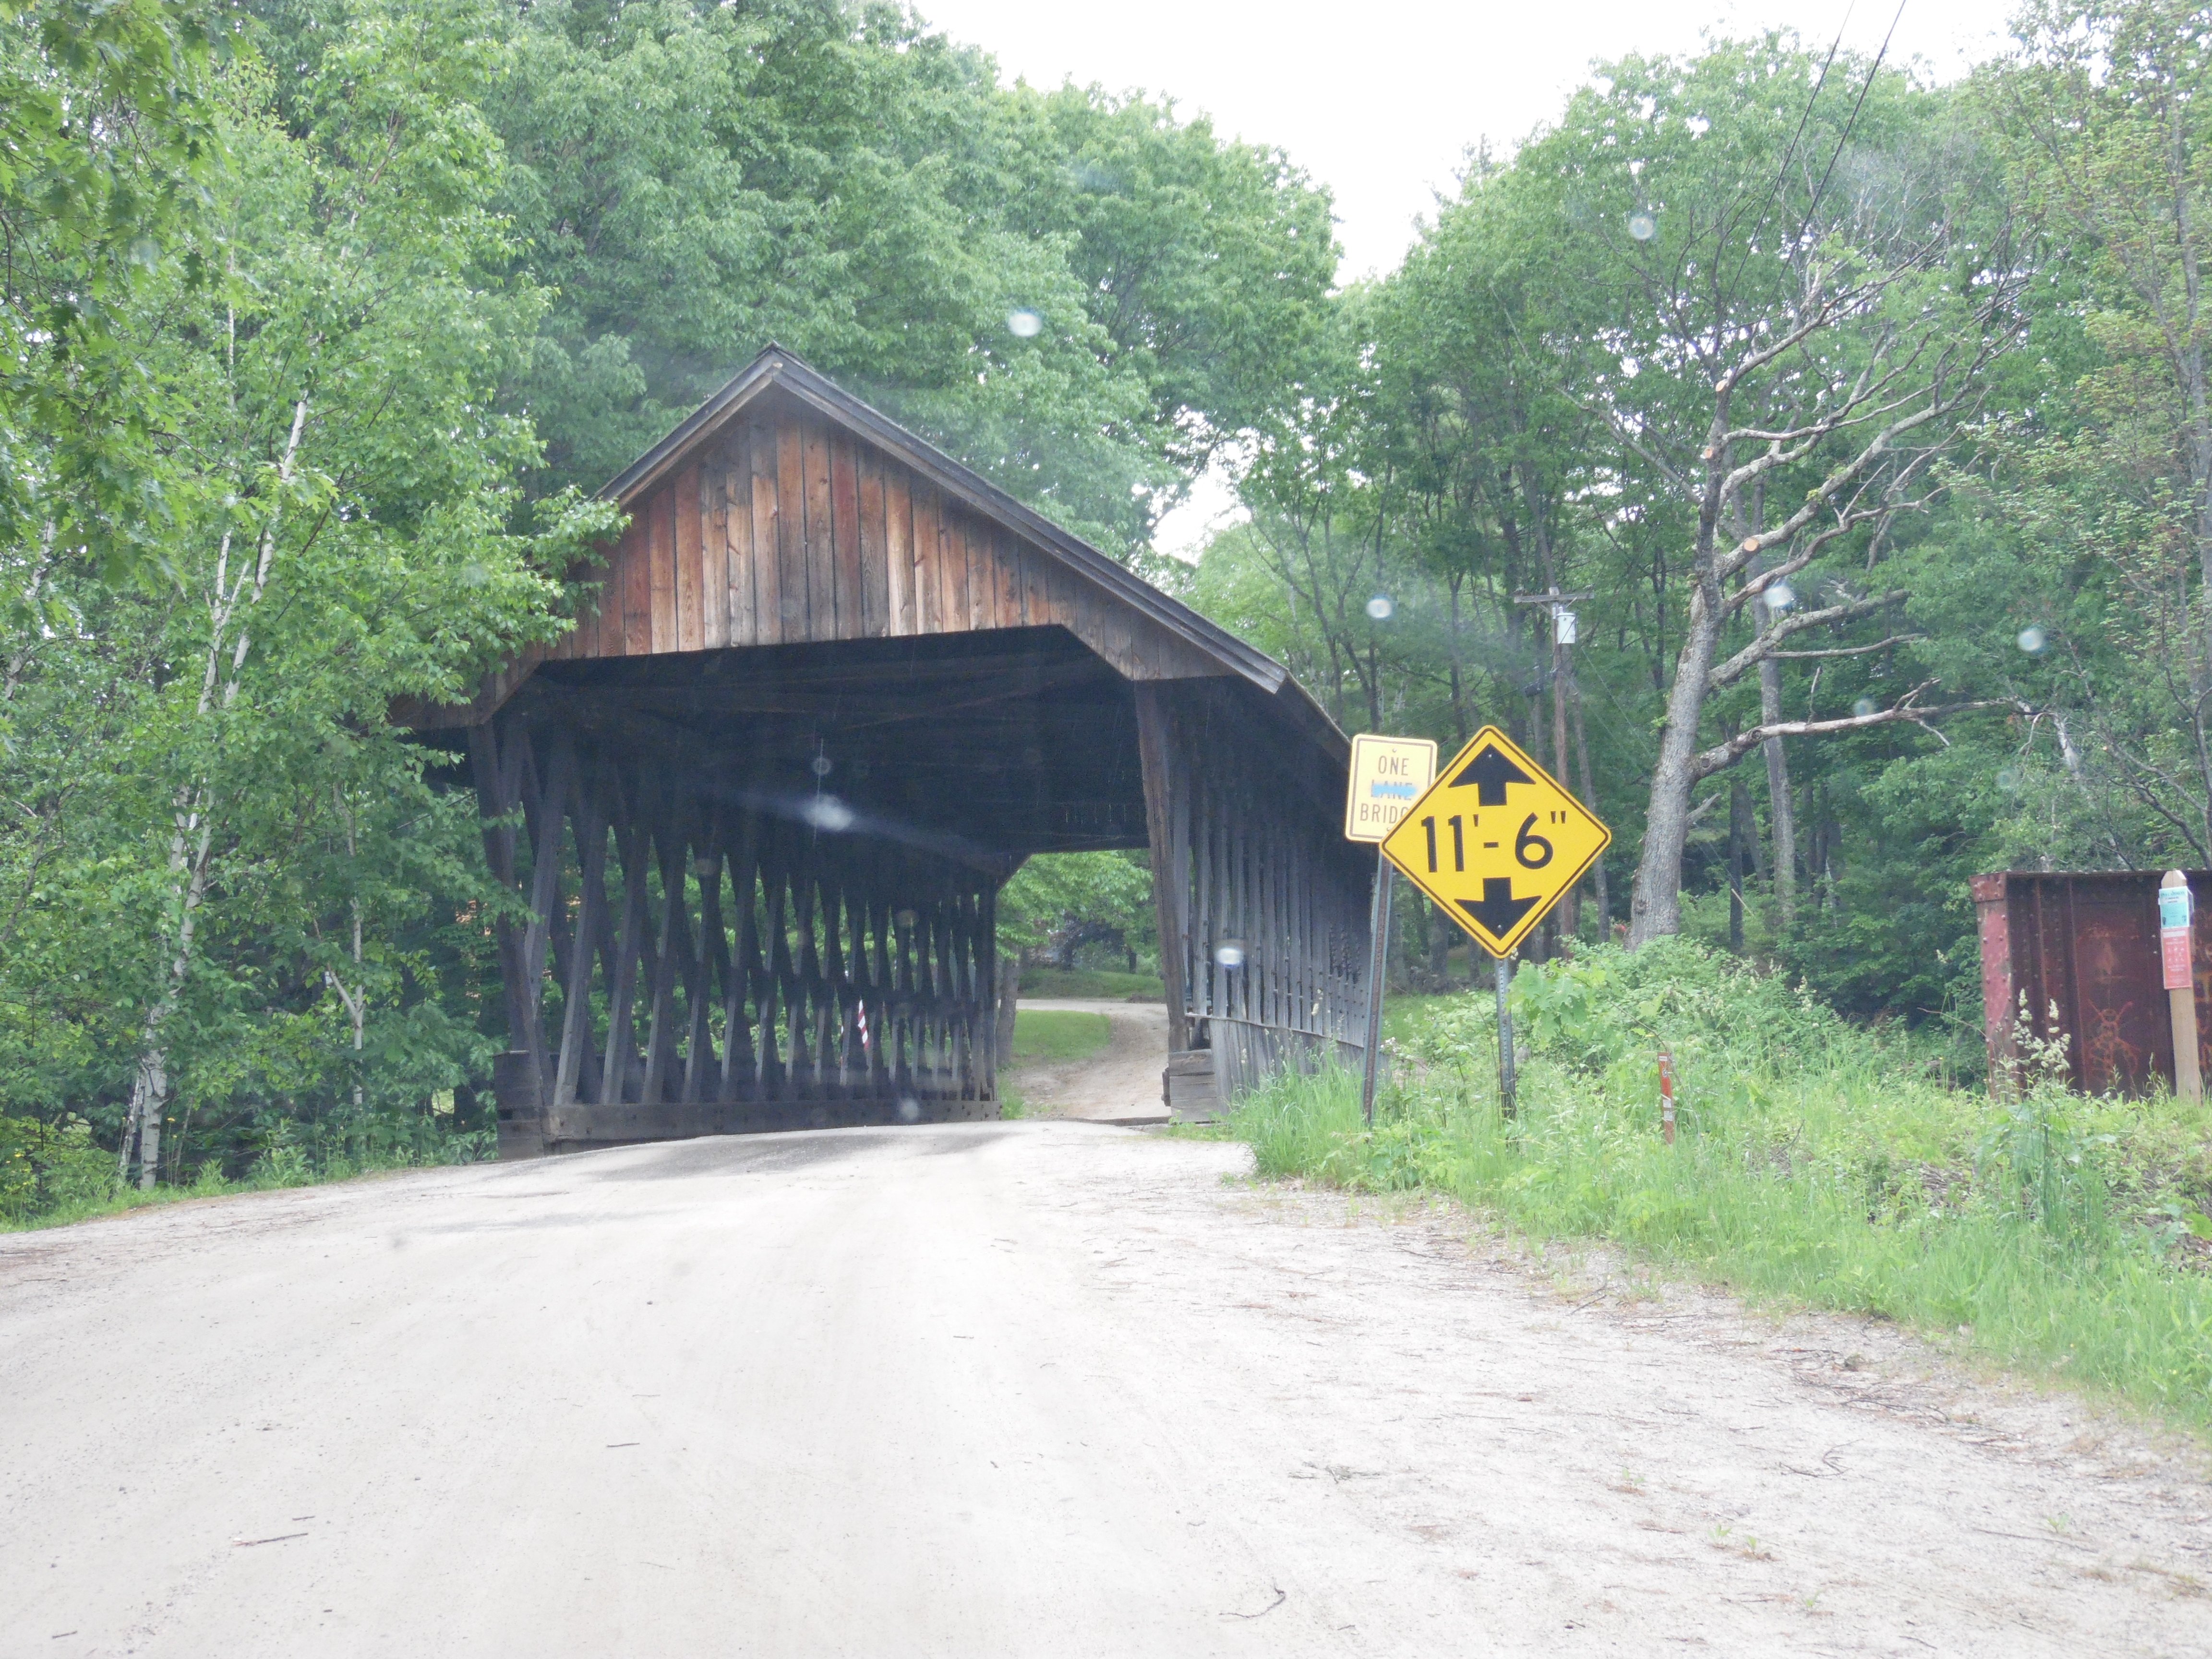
(757,805)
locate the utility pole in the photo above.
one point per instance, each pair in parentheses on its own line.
(1563,634)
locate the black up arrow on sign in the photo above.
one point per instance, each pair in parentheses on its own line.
(1489,772)
(1496,842)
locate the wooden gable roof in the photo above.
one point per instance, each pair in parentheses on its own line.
(786,511)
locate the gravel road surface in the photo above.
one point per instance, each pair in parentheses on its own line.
(1031,1388)
(1120,1085)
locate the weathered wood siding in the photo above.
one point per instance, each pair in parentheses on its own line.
(790,530)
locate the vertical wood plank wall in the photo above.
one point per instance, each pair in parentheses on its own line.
(790,530)
(1242,858)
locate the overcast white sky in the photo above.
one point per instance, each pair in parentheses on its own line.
(1379,100)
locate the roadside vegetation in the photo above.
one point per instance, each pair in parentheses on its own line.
(1818,1162)
(52,1175)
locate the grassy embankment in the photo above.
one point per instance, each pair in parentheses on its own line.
(1044,1036)
(1818,1163)
(49,1178)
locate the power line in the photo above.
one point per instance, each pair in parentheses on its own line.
(1813,206)
(1804,116)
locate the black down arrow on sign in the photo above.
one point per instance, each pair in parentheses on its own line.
(1498,910)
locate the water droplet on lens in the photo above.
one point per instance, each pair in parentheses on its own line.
(1024,324)
(1865,706)
(1381,607)
(909,1110)
(1229,953)
(1642,225)
(827,812)
(1781,596)
(2007,779)
(2032,640)
(822,766)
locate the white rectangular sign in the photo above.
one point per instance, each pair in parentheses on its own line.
(1388,774)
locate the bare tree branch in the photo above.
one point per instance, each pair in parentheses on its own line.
(1763,646)
(1906,710)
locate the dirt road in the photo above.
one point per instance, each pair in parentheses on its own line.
(1120,1085)
(1032,1388)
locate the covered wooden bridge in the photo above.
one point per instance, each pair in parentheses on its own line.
(759,804)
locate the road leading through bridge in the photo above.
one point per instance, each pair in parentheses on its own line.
(1027,1388)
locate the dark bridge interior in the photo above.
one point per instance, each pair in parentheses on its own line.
(1008,742)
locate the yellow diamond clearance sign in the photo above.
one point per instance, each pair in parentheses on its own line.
(1496,842)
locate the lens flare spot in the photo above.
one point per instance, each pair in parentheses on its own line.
(1381,607)
(1229,953)
(1642,224)
(1024,324)
(1780,597)
(2033,641)
(1864,706)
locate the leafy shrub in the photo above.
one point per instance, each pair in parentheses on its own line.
(43,1166)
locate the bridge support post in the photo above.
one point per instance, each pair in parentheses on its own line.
(519,1096)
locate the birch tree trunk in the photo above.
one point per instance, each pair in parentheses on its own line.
(355,997)
(192,836)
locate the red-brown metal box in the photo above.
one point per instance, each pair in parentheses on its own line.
(2085,944)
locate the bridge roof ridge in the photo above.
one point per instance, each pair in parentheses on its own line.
(778,367)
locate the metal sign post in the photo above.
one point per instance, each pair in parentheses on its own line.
(1388,774)
(2177,961)
(1505,1073)
(1377,960)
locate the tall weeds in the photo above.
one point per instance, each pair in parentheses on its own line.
(1818,1163)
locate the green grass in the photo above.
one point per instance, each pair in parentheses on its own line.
(1099,982)
(1817,1164)
(111,1199)
(1054,1034)
(50,1176)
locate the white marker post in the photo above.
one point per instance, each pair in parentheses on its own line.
(1388,774)
(2178,963)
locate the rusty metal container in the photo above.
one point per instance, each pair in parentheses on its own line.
(2086,943)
